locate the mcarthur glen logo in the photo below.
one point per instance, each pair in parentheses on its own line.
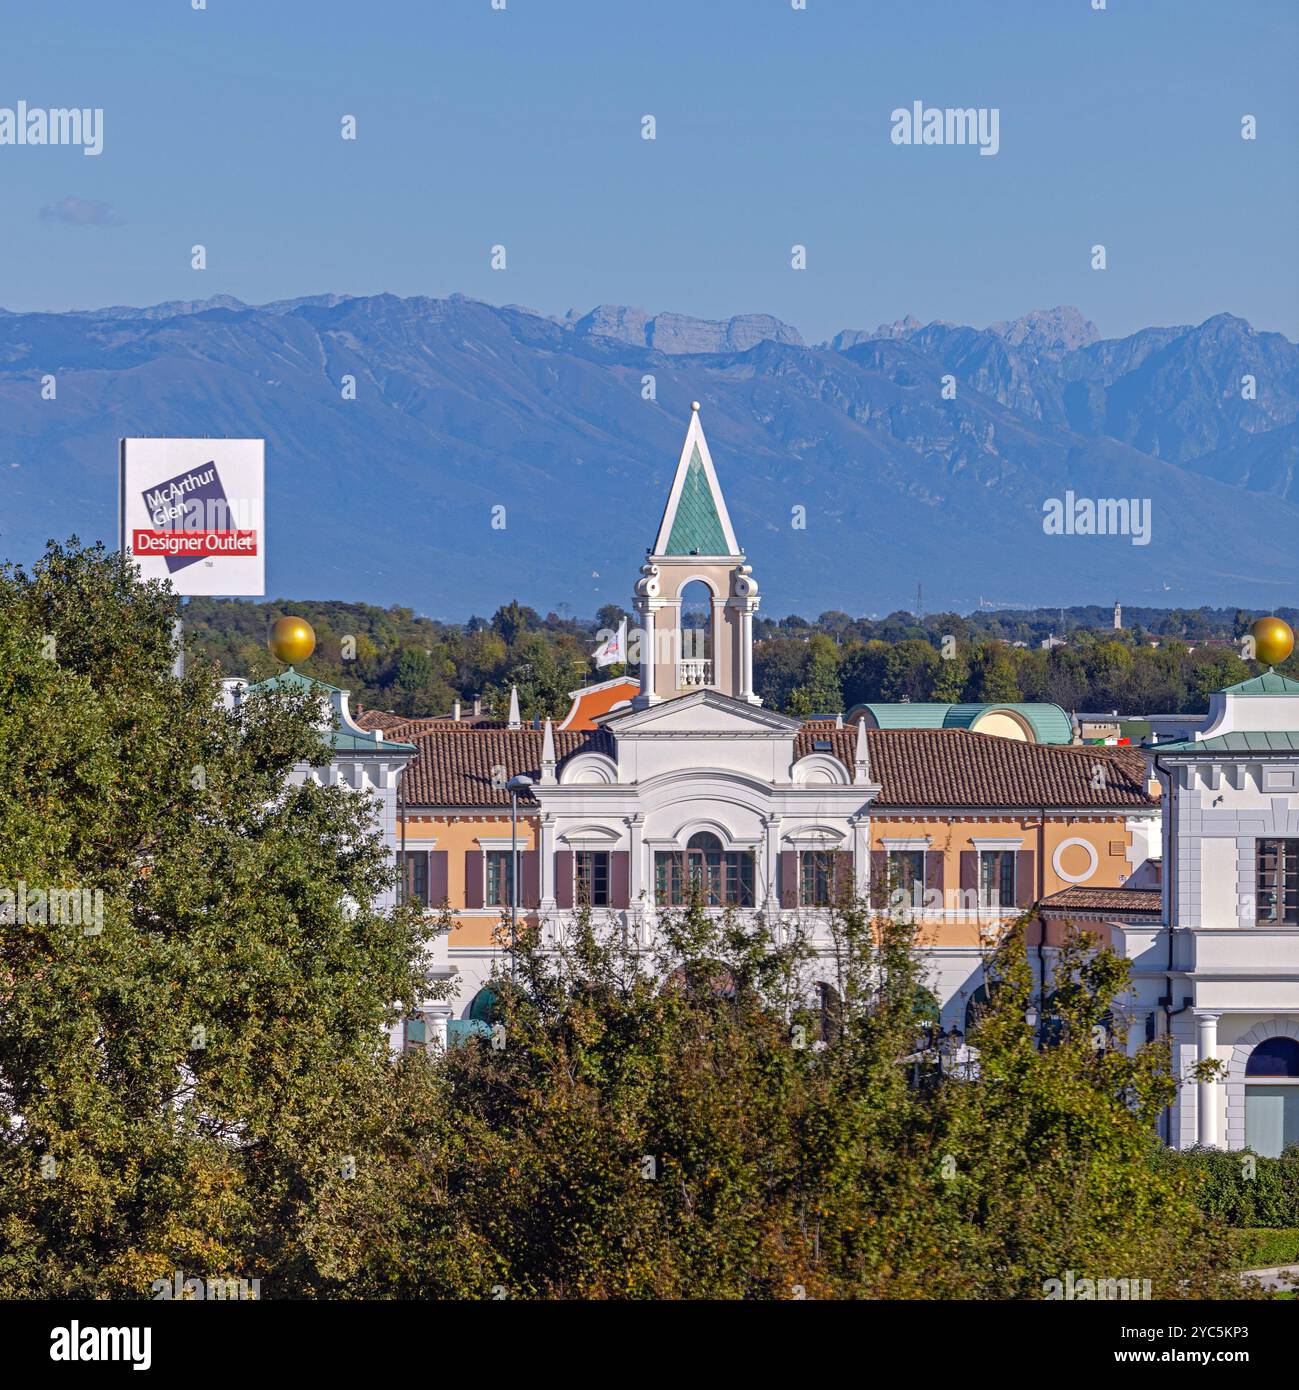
(193,518)
(56,125)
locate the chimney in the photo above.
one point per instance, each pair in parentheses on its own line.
(455,711)
(478,708)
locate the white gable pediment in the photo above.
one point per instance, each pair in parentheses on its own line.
(706,712)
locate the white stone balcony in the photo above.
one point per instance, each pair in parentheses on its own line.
(694,673)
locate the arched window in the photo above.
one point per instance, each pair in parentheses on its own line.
(1272,1097)
(722,878)
(483,1008)
(697,654)
(1276,1057)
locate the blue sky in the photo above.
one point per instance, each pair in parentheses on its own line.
(522,127)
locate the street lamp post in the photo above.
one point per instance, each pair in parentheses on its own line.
(516,786)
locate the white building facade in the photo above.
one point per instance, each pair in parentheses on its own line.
(1219,971)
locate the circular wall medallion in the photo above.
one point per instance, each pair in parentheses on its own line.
(1058,854)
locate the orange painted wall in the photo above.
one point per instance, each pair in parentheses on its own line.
(1109,839)
(458,837)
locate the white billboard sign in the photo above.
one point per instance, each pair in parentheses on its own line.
(193,511)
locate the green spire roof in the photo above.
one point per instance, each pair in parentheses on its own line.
(695,520)
(696,528)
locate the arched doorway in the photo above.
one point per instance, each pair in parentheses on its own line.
(1272,1096)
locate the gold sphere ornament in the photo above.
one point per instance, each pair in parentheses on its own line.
(1273,640)
(291,641)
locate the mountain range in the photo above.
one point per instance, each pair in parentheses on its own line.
(573,425)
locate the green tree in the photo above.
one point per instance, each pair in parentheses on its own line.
(513,619)
(185,1076)
(819,691)
(993,677)
(686,1121)
(910,670)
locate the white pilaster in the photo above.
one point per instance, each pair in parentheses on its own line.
(546,849)
(1206,1025)
(861,859)
(636,860)
(746,653)
(648,653)
(771,864)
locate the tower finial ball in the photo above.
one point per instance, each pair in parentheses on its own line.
(694,405)
(1273,640)
(291,640)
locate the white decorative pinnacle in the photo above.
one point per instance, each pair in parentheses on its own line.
(548,754)
(694,405)
(514,722)
(862,757)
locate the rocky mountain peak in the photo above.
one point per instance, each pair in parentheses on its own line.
(1062,329)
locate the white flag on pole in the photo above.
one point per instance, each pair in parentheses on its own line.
(613,651)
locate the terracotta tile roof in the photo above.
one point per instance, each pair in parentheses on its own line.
(381,719)
(402,726)
(955,768)
(457,766)
(949,769)
(1125,901)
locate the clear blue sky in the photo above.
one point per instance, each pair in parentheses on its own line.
(523,127)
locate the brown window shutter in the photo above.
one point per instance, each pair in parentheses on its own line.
(969,871)
(473,878)
(788,871)
(620,878)
(437,877)
(530,878)
(934,873)
(844,886)
(1025,877)
(564,878)
(879,885)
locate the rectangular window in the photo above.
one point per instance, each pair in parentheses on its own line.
(816,877)
(416,876)
(500,880)
(591,878)
(1277,881)
(737,879)
(997,878)
(669,876)
(906,869)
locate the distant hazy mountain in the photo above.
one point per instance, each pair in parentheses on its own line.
(462,406)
